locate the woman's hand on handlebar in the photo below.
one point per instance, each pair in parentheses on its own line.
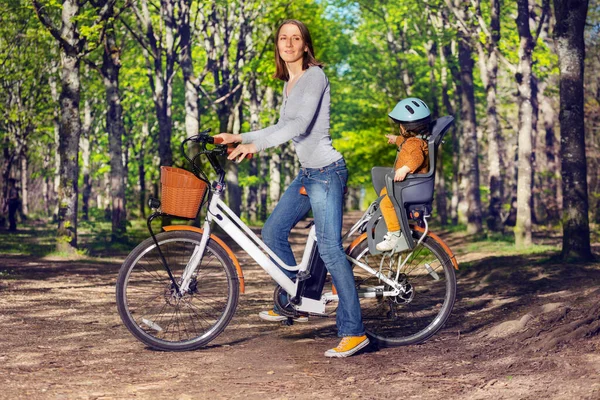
(227,138)
(241,151)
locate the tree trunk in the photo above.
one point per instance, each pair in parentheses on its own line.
(70,129)
(7,163)
(535,202)
(160,77)
(287,155)
(264,187)
(192,113)
(85,156)
(111,64)
(440,184)
(56,124)
(24,183)
(496,184)
(352,199)
(68,149)
(46,187)
(470,147)
(450,110)
(551,174)
(523,77)
(252,200)
(274,178)
(546,175)
(569,30)
(142,168)
(445,58)
(234,195)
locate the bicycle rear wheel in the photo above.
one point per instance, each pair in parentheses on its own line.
(152,309)
(417,314)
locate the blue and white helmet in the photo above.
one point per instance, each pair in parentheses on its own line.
(411,110)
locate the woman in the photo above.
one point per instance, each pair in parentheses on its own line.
(304,119)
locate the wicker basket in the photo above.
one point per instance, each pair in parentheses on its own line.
(181,192)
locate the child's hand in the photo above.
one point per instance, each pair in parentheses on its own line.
(391,139)
(401,173)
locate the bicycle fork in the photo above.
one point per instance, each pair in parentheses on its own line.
(194,260)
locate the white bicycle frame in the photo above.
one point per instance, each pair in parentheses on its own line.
(223,216)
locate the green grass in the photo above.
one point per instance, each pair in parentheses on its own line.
(38,238)
(506,247)
(33,241)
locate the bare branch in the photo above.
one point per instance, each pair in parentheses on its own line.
(225,97)
(207,95)
(138,38)
(93,65)
(508,64)
(45,20)
(462,24)
(545,13)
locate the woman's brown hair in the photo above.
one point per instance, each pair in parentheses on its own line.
(308,60)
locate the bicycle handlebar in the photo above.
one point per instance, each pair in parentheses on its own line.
(203,137)
(230,146)
(220,149)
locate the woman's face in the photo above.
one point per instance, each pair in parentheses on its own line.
(290,44)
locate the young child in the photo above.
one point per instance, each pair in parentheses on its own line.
(411,118)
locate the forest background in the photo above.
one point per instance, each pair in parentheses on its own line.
(97,94)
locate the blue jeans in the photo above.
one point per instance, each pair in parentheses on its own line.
(325,187)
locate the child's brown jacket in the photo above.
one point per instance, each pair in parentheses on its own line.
(414,153)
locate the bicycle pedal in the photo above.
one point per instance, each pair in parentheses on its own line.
(288,322)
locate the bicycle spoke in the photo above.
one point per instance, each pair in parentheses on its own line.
(412,315)
(165,318)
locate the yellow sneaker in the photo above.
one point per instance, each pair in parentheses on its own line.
(272,316)
(348,346)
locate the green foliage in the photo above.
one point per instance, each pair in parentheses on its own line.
(375,53)
(251,181)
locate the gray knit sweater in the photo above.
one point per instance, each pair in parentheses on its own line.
(303,118)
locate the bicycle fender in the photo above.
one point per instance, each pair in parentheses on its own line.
(355,243)
(230,253)
(439,241)
(432,235)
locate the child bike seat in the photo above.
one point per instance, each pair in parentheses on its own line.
(414,195)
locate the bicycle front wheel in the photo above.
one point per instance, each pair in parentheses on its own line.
(154,311)
(429,292)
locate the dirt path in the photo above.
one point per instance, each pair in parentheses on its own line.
(520,330)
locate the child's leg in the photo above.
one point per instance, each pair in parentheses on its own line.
(390,241)
(389,213)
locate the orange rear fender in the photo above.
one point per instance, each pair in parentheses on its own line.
(439,241)
(432,235)
(230,253)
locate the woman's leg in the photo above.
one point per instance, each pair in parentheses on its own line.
(325,188)
(290,209)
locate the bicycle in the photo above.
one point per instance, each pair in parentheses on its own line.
(179,289)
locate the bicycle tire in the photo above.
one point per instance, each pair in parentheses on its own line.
(147,302)
(417,315)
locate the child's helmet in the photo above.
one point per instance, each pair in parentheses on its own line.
(411,112)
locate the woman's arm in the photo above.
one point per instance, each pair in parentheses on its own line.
(250,137)
(307,103)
